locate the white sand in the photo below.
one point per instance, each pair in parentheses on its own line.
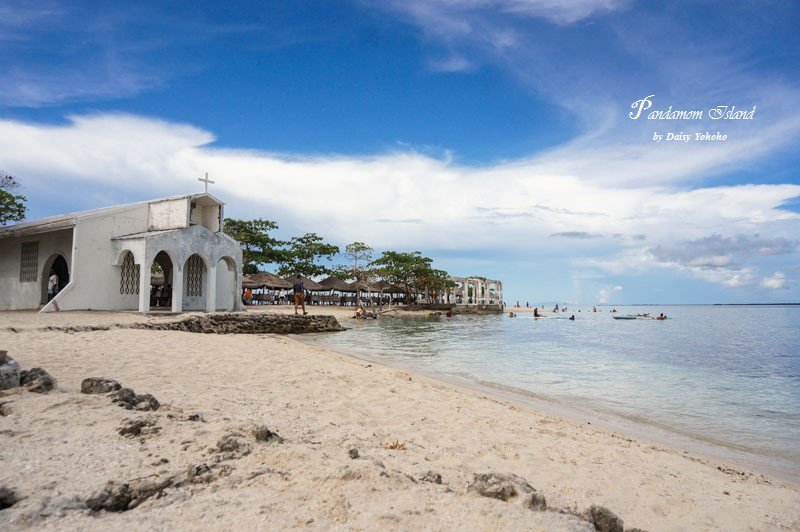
(60,448)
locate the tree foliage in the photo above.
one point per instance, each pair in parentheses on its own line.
(409,271)
(258,246)
(12,206)
(303,255)
(358,256)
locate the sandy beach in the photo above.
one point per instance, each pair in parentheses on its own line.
(360,445)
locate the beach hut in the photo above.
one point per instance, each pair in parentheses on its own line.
(334,284)
(265,286)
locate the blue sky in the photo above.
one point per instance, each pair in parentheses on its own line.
(492,135)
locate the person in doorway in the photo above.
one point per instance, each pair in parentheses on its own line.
(299,290)
(52,285)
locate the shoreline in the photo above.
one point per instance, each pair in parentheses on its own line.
(670,438)
(64,446)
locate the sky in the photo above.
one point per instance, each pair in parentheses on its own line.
(495,136)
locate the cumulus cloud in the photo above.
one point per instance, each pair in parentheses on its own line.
(717,250)
(776,282)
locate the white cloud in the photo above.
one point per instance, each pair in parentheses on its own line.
(776,282)
(617,288)
(406,199)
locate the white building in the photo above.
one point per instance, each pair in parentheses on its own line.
(103,257)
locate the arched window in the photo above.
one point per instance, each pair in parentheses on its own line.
(129,276)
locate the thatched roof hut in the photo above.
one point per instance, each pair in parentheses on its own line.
(310,284)
(265,280)
(334,283)
(386,287)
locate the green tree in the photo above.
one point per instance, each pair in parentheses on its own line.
(304,254)
(12,206)
(358,255)
(434,282)
(406,270)
(258,246)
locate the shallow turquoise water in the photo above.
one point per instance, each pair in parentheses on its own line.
(726,375)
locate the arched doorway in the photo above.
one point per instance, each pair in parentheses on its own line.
(56,265)
(161,282)
(195,274)
(227,291)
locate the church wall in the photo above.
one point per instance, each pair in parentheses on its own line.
(170,214)
(95,282)
(225,289)
(16,295)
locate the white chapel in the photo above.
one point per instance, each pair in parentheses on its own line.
(164,254)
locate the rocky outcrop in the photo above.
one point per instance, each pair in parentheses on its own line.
(7,498)
(603,519)
(36,380)
(509,488)
(124,397)
(247,324)
(94,385)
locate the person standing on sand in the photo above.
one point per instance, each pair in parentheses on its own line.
(52,285)
(299,294)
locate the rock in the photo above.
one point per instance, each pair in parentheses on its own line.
(242,323)
(118,497)
(4,410)
(135,427)
(203,473)
(431,476)
(603,519)
(94,385)
(230,443)
(146,402)
(7,498)
(128,399)
(353,453)
(263,434)
(37,380)
(195,417)
(9,372)
(509,488)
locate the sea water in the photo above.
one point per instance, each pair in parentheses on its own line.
(725,377)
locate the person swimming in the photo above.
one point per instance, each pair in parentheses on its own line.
(536,313)
(572,318)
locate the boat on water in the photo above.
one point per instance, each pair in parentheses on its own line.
(625,317)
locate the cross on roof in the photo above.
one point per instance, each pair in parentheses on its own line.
(206,181)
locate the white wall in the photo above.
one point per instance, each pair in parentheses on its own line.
(225,287)
(170,214)
(15,295)
(94,283)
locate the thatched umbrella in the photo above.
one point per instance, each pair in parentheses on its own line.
(333,283)
(360,285)
(310,285)
(248,282)
(268,280)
